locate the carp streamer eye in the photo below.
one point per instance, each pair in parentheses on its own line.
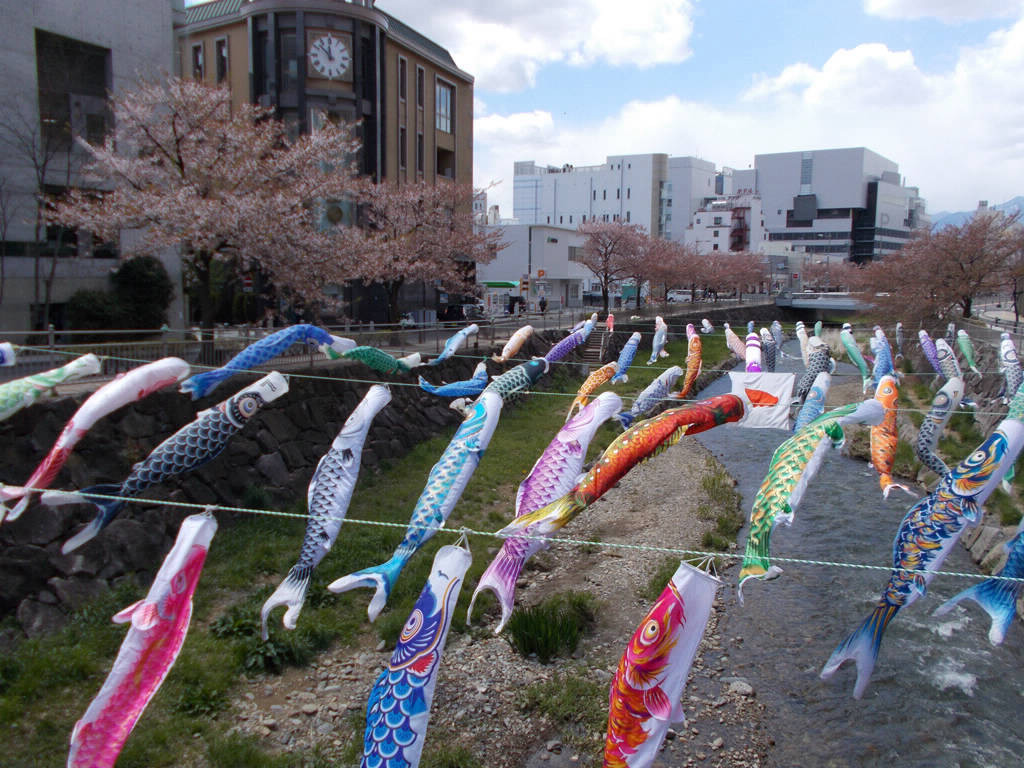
(650,633)
(412,626)
(248,405)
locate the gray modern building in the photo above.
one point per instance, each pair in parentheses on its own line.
(59,62)
(850,202)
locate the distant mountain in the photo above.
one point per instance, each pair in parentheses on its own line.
(945,219)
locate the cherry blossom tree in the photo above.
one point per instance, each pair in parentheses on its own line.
(184,168)
(675,264)
(652,258)
(607,251)
(421,232)
(939,272)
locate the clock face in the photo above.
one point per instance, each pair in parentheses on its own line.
(329,57)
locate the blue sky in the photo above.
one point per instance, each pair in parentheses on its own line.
(935,85)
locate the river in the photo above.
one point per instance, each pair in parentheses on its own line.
(940,695)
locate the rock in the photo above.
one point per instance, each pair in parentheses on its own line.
(23,570)
(989,537)
(741,688)
(135,425)
(130,546)
(40,526)
(279,425)
(76,593)
(310,708)
(381,646)
(554,745)
(718,743)
(272,467)
(38,619)
(293,455)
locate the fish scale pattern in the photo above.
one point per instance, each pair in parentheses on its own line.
(376,359)
(397,697)
(775,498)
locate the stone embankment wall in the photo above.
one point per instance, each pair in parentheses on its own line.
(276,453)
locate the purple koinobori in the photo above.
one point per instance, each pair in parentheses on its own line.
(263,350)
(570,342)
(552,476)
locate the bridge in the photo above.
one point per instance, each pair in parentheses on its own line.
(813,300)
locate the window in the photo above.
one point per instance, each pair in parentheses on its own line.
(444,94)
(627,193)
(220,53)
(552,239)
(714,247)
(570,218)
(715,233)
(627,216)
(197,61)
(718,221)
(72,89)
(402,78)
(403,145)
(549,220)
(289,65)
(617,194)
(584,218)
(559,221)
(419,153)
(604,194)
(420,77)
(595,194)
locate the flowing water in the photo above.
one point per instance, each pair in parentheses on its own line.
(940,695)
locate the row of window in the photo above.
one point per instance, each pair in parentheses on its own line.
(898,233)
(220,60)
(444,96)
(618,192)
(809,236)
(604,217)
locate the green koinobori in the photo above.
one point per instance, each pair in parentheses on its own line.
(792,467)
(381,361)
(17,394)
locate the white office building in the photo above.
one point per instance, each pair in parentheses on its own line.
(732,223)
(851,202)
(658,192)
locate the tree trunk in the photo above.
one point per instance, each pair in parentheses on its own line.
(394,290)
(604,296)
(966,304)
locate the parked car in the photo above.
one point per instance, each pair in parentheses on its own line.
(678,295)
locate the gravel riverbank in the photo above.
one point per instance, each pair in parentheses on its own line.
(478,701)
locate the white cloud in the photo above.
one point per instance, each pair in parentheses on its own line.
(949,11)
(958,134)
(869,74)
(506,53)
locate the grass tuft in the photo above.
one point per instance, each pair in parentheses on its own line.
(553,627)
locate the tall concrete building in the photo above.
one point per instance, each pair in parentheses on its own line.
(59,63)
(850,202)
(657,192)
